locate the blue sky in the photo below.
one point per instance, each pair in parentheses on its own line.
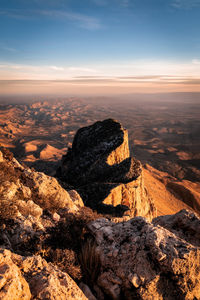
(66,39)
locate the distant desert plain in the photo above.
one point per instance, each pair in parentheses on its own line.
(163,134)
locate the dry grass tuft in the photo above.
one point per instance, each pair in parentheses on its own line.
(90,261)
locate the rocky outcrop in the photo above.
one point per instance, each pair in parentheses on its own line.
(33,278)
(12,283)
(26,192)
(99,166)
(142,260)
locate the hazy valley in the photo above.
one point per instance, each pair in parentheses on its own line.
(164,134)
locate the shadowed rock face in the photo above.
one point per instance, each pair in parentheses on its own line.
(99,166)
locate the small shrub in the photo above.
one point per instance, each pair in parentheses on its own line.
(67,262)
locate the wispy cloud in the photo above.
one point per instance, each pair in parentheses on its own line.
(8,49)
(82,20)
(124,3)
(196,61)
(113,81)
(5,47)
(57,68)
(123,73)
(81,69)
(100,2)
(185,4)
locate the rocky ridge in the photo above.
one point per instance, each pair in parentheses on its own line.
(31,206)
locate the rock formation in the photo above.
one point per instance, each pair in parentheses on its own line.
(30,192)
(99,166)
(31,206)
(33,278)
(142,260)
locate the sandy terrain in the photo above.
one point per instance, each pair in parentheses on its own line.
(167,200)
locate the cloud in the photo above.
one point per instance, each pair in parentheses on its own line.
(93,81)
(196,61)
(57,68)
(185,4)
(83,21)
(9,49)
(124,3)
(129,73)
(81,69)
(100,2)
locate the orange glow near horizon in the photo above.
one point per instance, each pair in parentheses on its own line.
(86,87)
(104,79)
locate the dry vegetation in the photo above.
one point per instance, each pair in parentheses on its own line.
(67,240)
(90,261)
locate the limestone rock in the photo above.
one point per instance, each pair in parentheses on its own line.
(29,192)
(76,198)
(29,208)
(142,260)
(48,282)
(12,283)
(99,166)
(33,278)
(47,191)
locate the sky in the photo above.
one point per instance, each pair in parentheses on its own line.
(99,46)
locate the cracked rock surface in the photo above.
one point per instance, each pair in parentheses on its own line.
(143,260)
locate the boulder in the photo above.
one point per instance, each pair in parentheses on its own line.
(46,281)
(12,283)
(100,168)
(142,260)
(29,192)
(33,278)
(47,191)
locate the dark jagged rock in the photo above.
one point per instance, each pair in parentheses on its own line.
(99,166)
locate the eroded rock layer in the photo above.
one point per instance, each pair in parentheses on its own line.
(99,166)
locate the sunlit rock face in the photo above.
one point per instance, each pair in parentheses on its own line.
(142,260)
(99,166)
(26,192)
(33,278)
